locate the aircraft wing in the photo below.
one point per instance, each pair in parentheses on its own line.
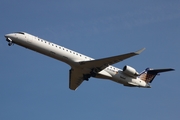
(76,75)
(75,78)
(100,64)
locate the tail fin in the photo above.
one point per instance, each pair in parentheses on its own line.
(148,74)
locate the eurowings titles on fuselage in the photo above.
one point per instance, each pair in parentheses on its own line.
(84,67)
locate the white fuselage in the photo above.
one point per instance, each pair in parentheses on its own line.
(71,57)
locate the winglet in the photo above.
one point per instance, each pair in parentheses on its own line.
(139,51)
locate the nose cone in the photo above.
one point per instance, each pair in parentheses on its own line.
(8,35)
(9,38)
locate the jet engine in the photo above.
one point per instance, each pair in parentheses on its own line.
(130,71)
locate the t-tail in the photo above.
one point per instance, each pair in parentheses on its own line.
(148,74)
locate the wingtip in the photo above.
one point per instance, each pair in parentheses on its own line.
(171,69)
(140,51)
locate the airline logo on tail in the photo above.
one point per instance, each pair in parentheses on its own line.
(149,74)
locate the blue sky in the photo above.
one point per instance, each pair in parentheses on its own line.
(33,86)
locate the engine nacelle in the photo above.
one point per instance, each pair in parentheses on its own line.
(130,71)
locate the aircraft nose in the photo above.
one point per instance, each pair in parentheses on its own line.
(7,35)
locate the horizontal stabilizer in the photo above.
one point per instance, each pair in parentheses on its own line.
(148,75)
(155,71)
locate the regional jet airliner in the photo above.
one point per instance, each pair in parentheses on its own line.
(84,67)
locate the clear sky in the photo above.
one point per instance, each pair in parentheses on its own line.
(35,87)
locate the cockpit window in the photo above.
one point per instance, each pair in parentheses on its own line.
(20,32)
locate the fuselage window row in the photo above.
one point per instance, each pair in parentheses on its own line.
(60,48)
(110,67)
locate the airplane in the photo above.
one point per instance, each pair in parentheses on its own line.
(84,67)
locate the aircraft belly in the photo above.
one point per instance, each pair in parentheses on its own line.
(120,78)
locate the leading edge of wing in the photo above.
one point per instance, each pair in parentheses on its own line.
(104,62)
